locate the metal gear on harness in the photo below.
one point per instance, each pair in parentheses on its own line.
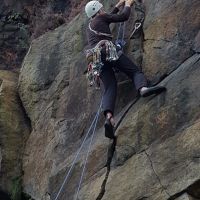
(93,74)
(95,63)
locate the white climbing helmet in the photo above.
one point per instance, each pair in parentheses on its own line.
(92,8)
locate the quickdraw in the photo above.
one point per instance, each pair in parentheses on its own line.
(93,74)
(137,27)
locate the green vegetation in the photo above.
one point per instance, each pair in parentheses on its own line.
(14,17)
(16,190)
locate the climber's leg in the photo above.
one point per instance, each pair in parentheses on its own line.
(110,90)
(109,97)
(125,65)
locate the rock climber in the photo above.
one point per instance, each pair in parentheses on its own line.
(104,55)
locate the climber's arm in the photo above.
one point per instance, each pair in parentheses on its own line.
(115,10)
(123,16)
(117,7)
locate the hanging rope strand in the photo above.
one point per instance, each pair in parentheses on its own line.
(78,152)
(123,33)
(119,30)
(87,155)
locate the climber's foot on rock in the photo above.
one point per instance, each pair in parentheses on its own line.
(109,128)
(147,91)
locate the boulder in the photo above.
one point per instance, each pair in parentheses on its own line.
(14,129)
(61,106)
(148,162)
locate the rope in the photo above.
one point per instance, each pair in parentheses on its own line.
(94,122)
(87,155)
(121,31)
(99,33)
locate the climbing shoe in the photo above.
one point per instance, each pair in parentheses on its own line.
(109,130)
(147,91)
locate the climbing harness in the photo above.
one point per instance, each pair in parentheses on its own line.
(100,33)
(93,128)
(95,63)
(113,52)
(137,28)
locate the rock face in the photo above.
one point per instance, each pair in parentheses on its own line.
(58,94)
(157,151)
(14,131)
(170,28)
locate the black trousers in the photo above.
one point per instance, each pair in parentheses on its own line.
(125,65)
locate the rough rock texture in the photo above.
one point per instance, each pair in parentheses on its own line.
(158,163)
(14,131)
(157,152)
(185,197)
(196,46)
(169,31)
(20,21)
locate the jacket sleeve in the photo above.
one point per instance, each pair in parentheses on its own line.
(123,16)
(115,10)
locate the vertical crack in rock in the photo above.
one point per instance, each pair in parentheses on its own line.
(164,188)
(111,151)
(126,112)
(27,119)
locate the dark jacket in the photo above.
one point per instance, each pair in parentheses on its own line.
(101,23)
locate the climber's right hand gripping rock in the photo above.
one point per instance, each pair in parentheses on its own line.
(129,2)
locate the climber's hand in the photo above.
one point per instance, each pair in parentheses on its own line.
(120,3)
(129,2)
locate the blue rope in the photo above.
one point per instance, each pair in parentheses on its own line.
(87,155)
(94,122)
(121,42)
(119,30)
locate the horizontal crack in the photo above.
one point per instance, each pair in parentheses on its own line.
(165,40)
